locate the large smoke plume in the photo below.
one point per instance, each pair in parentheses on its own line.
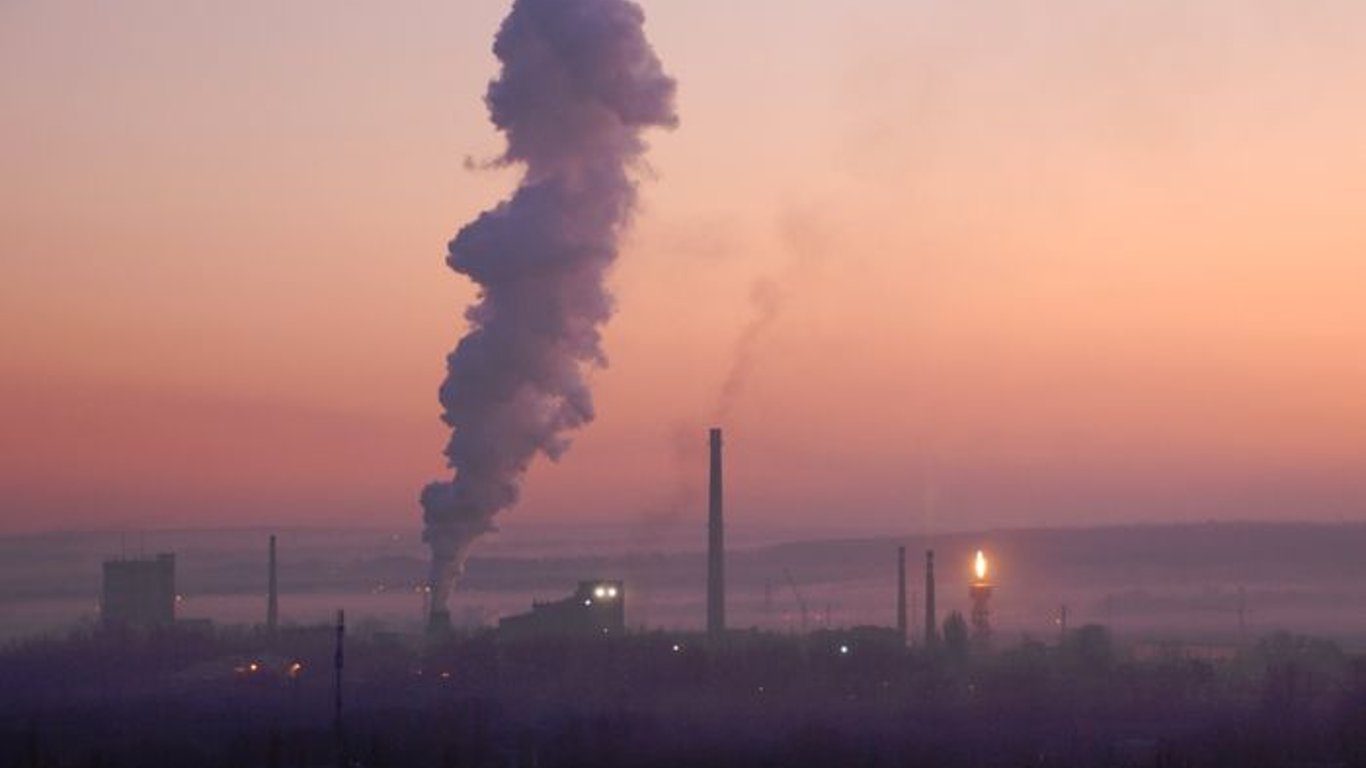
(579,83)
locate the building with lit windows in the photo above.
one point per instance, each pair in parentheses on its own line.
(595,609)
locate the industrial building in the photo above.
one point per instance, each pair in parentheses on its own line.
(139,593)
(596,608)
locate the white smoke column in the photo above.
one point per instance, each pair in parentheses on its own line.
(578,85)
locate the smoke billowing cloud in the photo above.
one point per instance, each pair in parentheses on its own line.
(579,83)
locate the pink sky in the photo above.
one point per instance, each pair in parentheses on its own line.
(1058,263)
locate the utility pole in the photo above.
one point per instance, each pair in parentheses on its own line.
(337,663)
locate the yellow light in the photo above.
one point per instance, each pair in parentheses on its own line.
(981,566)
(600,592)
(611,591)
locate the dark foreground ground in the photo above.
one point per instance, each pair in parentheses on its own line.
(855,698)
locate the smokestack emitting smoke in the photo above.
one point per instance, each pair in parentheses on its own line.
(579,83)
(716,546)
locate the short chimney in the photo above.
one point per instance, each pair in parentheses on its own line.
(931,633)
(272,594)
(901,594)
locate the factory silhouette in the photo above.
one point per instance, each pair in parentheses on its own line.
(139,594)
(568,682)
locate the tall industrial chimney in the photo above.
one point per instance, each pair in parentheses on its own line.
(901,594)
(931,632)
(716,546)
(273,595)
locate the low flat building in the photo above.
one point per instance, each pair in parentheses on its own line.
(595,609)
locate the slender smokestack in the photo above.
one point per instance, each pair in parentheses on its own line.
(931,633)
(273,594)
(716,546)
(901,594)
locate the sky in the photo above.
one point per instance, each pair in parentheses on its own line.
(932,265)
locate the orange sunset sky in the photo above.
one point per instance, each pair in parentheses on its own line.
(1065,262)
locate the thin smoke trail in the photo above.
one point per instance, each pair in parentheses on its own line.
(806,239)
(807,244)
